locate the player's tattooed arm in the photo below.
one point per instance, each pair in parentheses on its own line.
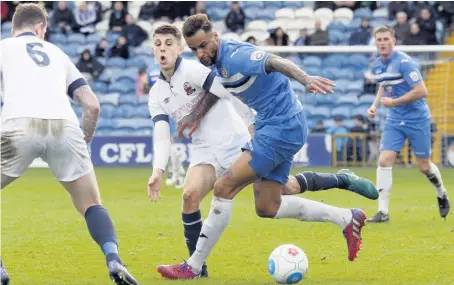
(315,84)
(192,120)
(90,104)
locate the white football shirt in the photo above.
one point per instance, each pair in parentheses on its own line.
(224,124)
(37,79)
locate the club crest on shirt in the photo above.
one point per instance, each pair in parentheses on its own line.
(257,55)
(188,88)
(224,72)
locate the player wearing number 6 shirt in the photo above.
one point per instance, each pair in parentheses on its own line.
(402,90)
(38,121)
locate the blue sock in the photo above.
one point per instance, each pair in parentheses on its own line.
(314,181)
(102,231)
(192,226)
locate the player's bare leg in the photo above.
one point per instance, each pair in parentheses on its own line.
(270,205)
(85,196)
(344,179)
(386,162)
(431,171)
(231,182)
(199,181)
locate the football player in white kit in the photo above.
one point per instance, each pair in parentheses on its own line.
(38,121)
(218,140)
(216,143)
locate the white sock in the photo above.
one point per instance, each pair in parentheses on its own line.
(384,185)
(434,177)
(312,211)
(213,227)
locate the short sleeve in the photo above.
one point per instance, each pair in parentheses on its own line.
(201,75)
(154,106)
(74,78)
(410,72)
(246,60)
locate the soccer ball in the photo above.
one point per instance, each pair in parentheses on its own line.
(288,264)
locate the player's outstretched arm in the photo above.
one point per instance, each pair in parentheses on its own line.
(314,84)
(373,108)
(90,104)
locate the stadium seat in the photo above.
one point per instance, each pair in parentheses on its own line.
(344,15)
(328,101)
(312,61)
(254,4)
(293,4)
(218,13)
(347,74)
(76,39)
(358,61)
(356,86)
(272,4)
(6,27)
(143,51)
(58,39)
(231,36)
(320,113)
(125,99)
(117,62)
(257,25)
(323,14)
(99,87)
(304,13)
(251,13)
(260,36)
(93,39)
(354,24)
(266,14)
(366,100)
(342,85)
(332,73)
(378,22)
(348,124)
(381,13)
(337,26)
(297,87)
(112,38)
(337,38)
(362,13)
(341,111)
(71,50)
(107,110)
(335,60)
(347,101)
(117,87)
(285,13)
(360,110)
(102,27)
(135,62)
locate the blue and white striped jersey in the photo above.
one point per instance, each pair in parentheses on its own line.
(398,75)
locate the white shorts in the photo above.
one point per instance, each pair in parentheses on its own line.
(220,159)
(58,142)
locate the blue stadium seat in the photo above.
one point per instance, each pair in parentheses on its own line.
(70,50)
(358,61)
(342,85)
(266,14)
(93,39)
(107,110)
(132,100)
(320,113)
(109,98)
(312,61)
(218,13)
(217,4)
(343,112)
(335,60)
(112,38)
(76,39)
(99,87)
(356,86)
(347,74)
(337,38)
(293,4)
(309,99)
(118,62)
(333,73)
(255,4)
(362,13)
(360,110)
(297,87)
(58,39)
(273,4)
(347,101)
(328,101)
(136,62)
(251,12)
(117,87)
(366,100)
(143,51)
(348,124)
(378,22)
(354,24)
(337,26)
(6,27)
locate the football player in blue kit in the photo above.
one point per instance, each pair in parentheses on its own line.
(261,80)
(402,90)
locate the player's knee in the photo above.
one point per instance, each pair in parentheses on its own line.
(222,189)
(424,166)
(191,196)
(386,159)
(266,210)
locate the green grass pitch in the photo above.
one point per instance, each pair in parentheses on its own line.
(45,241)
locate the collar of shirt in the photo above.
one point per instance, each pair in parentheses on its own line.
(177,64)
(393,55)
(26,34)
(220,54)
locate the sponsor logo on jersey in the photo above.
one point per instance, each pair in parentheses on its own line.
(166,100)
(414,76)
(188,88)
